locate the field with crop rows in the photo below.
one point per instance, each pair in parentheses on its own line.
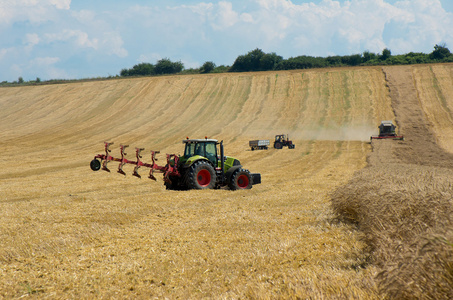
(67,232)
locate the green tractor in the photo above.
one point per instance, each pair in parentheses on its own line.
(203,166)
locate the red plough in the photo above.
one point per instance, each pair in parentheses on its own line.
(203,166)
(168,169)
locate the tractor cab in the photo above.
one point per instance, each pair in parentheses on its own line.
(201,147)
(282,140)
(386,128)
(206,149)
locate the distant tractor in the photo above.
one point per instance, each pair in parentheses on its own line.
(203,166)
(282,140)
(387,130)
(259,144)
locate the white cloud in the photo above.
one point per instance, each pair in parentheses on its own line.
(78,37)
(33,11)
(113,44)
(31,40)
(424,23)
(85,16)
(276,4)
(225,16)
(350,27)
(61,4)
(44,61)
(106,38)
(247,18)
(3,53)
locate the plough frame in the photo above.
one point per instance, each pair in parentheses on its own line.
(169,169)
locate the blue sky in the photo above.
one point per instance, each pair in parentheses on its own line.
(73,39)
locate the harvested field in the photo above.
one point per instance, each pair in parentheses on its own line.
(69,232)
(403,200)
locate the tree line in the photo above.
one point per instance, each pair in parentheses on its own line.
(258,60)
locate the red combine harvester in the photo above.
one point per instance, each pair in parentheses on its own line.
(387,130)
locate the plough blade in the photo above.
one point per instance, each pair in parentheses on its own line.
(123,159)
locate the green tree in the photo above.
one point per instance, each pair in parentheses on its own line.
(20,80)
(166,66)
(367,56)
(334,60)
(248,62)
(269,61)
(256,60)
(352,60)
(386,53)
(142,69)
(302,62)
(440,52)
(207,67)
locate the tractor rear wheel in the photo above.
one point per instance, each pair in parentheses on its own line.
(278,145)
(174,185)
(240,179)
(201,175)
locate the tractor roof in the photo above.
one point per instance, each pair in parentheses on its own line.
(199,141)
(387,123)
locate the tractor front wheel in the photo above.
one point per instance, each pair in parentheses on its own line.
(240,179)
(201,175)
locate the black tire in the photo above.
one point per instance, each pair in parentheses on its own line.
(292,146)
(201,175)
(241,180)
(95,165)
(278,145)
(174,185)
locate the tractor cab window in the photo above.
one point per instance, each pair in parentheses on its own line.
(387,129)
(208,150)
(211,153)
(195,149)
(190,150)
(199,149)
(279,138)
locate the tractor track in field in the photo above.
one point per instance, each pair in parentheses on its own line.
(420,146)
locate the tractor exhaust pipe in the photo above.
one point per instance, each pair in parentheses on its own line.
(222,163)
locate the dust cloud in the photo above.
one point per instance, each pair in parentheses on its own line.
(360,133)
(343,133)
